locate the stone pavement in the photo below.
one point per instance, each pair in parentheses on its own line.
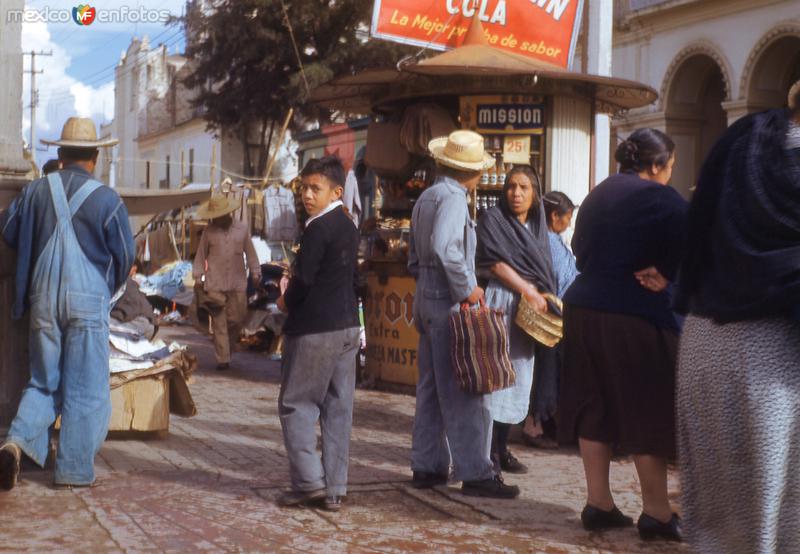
(211,485)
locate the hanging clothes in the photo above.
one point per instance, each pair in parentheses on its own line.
(351,198)
(255,210)
(161,247)
(280,221)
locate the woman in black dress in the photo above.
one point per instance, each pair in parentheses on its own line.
(621,336)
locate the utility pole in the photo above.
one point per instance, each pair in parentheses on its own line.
(34,97)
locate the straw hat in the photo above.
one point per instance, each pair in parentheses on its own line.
(794,92)
(461,150)
(80,132)
(217,206)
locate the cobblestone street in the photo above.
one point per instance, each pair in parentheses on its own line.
(211,485)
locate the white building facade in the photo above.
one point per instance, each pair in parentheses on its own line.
(712,61)
(163,139)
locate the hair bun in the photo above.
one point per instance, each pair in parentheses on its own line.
(627,153)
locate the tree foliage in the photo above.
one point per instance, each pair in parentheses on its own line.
(245,69)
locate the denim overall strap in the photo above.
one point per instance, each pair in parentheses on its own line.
(83,193)
(59,196)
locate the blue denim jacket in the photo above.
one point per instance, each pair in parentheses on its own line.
(101,226)
(441,251)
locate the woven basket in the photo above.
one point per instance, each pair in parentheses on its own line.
(547,328)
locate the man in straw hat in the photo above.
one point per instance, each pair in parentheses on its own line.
(449,421)
(220,260)
(74,250)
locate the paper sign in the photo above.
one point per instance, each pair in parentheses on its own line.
(517,150)
(542,29)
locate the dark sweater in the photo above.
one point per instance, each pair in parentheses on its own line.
(321,295)
(627,224)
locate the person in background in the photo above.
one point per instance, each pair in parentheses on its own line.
(513,245)
(74,251)
(558,209)
(318,368)
(621,335)
(220,261)
(50,166)
(441,257)
(739,360)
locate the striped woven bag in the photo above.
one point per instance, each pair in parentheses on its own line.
(479,350)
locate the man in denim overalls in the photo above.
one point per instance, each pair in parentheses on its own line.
(442,258)
(74,250)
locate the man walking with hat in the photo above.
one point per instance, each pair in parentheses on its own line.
(220,260)
(74,250)
(448,421)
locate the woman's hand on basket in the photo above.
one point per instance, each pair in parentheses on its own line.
(651,279)
(536,300)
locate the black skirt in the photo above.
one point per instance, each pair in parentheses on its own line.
(618,382)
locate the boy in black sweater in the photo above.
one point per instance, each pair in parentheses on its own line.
(321,342)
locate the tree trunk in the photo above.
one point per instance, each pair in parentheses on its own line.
(265,148)
(248,163)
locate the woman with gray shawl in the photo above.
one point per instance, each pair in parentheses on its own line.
(739,361)
(514,247)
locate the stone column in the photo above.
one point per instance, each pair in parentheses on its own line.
(599,50)
(13,352)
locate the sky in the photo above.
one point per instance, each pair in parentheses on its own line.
(78,78)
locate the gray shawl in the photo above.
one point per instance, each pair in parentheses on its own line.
(502,238)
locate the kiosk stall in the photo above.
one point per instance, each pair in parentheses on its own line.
(529,112)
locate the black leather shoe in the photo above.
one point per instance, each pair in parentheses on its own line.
(297,498)
(425,480)
(510,464)
(595,519)
(490,488)
(333,503)
(10,456)
(651,529)
(223,367)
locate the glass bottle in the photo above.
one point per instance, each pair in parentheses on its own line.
(501,172)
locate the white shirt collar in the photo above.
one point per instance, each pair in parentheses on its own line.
(332,206)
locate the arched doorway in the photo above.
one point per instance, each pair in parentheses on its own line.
(773,72)
(694,115)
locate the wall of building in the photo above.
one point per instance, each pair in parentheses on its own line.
(344,140)
(155,120)
(712,62)
(192,141)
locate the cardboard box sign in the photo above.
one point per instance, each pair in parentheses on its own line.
(386,155)
(141,405)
